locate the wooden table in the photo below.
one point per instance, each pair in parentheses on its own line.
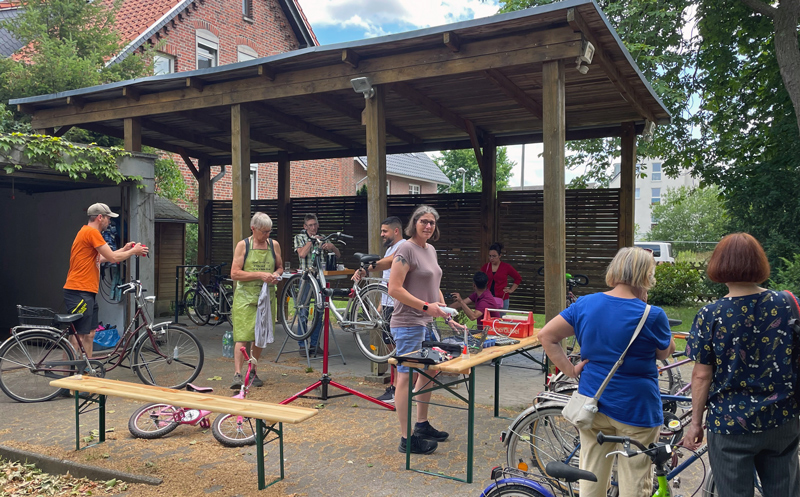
(100,388)
(466,367)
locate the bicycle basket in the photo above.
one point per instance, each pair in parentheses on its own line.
(443,332)
(36,316)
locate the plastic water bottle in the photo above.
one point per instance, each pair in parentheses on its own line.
(227,344)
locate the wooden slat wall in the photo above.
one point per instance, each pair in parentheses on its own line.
(591,216)
(168,254)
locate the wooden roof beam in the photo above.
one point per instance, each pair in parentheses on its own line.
(577,23)
(188,161)
(451,41)
(512,50)
(475,133)
(351,57)
(118,133)
(195,83)
(224,125)
(62,131)
(188,136)
(266,72)
(514,92)
(355,114)
(299,124)
(76,101)
(131,93)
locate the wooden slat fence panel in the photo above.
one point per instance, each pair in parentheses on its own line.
(592,218)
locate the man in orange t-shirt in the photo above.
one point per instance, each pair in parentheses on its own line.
(83,279)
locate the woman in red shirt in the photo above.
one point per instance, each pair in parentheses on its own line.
(498,273)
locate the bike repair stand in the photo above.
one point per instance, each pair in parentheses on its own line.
(326,380)
(307,341)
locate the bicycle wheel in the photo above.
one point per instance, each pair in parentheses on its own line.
(297,307)
(541,437)
(28,380)
(196,307)
(512,489)
(234,431)
(369,326)
(153,421)
(667,378)
(171,358)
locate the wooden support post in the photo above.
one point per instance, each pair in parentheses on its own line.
(240,166)
(627,185)
(375,116)
(554,138)
(376,167)
(488,200)
(133,134)
(205,194)
(285,206)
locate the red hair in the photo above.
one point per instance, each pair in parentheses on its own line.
(738,258)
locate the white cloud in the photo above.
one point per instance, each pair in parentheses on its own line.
(375,17)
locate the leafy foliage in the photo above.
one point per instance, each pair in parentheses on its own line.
(714,65)
(676,284)
(451,160)
(788,276)
(690,215)
(67,44)
(75,160)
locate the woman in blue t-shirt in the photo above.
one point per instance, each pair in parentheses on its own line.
(746,372)
(630,405)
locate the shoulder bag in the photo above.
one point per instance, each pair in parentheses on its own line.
(580,409)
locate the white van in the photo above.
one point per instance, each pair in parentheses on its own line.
(662,251)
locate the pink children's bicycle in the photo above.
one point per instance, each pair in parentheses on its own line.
(156,420)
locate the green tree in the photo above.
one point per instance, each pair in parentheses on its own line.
(451,160)
(725,75)
(67,44)
(691,215)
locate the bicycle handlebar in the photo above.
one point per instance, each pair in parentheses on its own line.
(625,441)
(575,279)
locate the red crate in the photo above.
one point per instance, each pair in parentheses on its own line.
(513,324)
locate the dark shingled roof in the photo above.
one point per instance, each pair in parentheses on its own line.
(8,44)
(167,212)
(416,165)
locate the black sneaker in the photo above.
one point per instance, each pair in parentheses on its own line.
(257,381)
(388,395)
(425,430)
(237,382)
(418,445)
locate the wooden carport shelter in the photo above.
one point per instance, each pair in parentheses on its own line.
(509,79)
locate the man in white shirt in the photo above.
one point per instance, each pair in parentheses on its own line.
(392,236)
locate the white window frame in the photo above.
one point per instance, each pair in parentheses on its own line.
(243,53)
(414,189)
(655,199)
(638,193)
(161,58)
(656,171)
(388,187)
(247,9)
(206,47)
(253,181)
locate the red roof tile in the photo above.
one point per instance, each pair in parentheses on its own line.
(135,16)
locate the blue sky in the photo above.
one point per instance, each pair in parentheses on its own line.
(337,21)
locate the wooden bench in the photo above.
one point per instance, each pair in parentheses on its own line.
(262,412)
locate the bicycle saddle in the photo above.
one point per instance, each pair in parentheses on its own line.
(367,258)
(67,318)
(195,388)
(563,471)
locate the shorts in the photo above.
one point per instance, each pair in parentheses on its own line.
(408,339)
(78,302)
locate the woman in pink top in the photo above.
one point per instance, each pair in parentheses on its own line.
(498,273)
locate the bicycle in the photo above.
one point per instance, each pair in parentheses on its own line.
(573,280)
(540,435)
(302,300)
(164,354)
(514,482)
(202,301)
(157,420)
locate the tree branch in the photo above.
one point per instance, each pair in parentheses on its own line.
(761,8)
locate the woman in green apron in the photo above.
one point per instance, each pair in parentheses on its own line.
(256,260)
